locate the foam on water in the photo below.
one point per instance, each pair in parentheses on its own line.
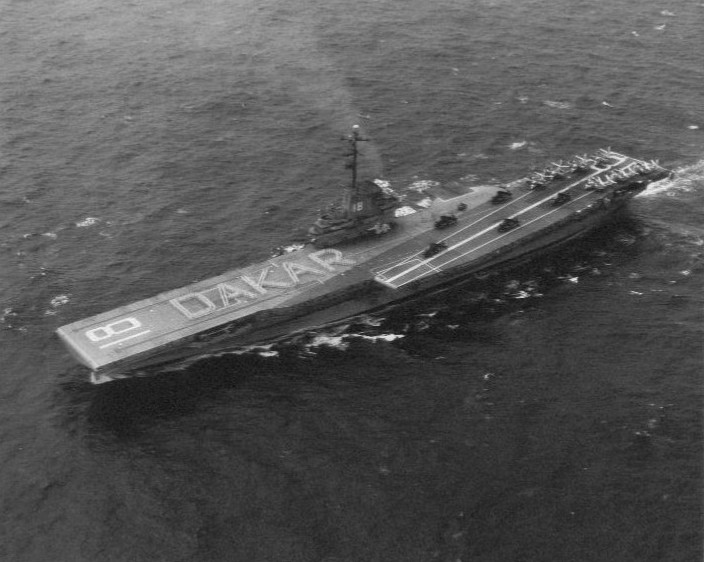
(88,221)
(687,179)
(423,185)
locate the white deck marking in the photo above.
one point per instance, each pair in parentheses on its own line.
(466,240)
(413,257)
(489,242)
(485,216)
(125,339)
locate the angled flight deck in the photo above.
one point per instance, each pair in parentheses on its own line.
(481,237)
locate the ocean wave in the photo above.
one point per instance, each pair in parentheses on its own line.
(558,104)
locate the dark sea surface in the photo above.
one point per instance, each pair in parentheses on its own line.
(553,415)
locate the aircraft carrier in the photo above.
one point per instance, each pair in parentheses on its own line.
(371,251)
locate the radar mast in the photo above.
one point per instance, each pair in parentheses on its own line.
(352,197)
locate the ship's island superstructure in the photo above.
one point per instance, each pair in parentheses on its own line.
(369,252)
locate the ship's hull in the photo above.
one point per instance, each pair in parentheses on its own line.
(311,288)
(368,301)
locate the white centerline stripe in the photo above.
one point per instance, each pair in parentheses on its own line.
(471,224)
(125,339)
(495,239)
(466,240)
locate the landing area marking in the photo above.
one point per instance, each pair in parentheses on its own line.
(437,259)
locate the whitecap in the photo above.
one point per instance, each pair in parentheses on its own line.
(59,300)
(292,248)
(423,185)
(404,211)
(382,337)
(7,313)
(88,221)
(337,342)
(521,295)
(517,145)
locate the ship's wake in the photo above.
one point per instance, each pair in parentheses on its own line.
(686,180)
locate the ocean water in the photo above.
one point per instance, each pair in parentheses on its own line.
(553,414)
